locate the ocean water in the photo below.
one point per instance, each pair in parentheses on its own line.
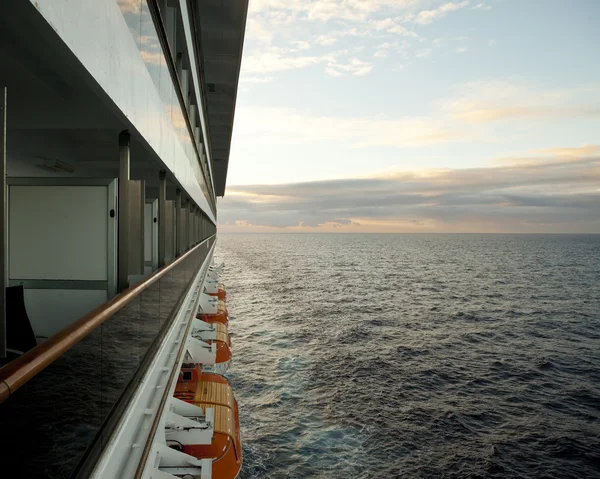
(417,356)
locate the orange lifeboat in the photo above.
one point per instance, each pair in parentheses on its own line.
(208,390)
(223,343)
(221,292)
(220,337)
(221,315)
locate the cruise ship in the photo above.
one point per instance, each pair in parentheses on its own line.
(116,119)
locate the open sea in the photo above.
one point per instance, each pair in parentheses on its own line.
(416,356)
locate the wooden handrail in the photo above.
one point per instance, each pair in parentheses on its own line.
(16,373)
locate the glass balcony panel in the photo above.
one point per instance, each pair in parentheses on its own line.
(49,422)
(65,413)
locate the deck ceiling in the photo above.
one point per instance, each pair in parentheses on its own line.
(56,110)
(222,26)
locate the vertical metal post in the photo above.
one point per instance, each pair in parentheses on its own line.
(162,214)
(3,222)
(123,231)
(178,222)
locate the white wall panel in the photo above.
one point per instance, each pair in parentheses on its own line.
(58,232)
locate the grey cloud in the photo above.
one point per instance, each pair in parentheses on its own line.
(563,193)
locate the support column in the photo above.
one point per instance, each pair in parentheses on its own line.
(202,235)
(3,223)
(193,231)
(162,218)
(178,222)
(190,223)
(198,226)
(185,228)
(123,226)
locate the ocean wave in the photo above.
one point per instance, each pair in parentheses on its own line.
(449,367)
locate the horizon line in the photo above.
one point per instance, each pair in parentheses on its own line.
(399,233)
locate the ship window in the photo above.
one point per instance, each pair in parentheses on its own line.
(187,375)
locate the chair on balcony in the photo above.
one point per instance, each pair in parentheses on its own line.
(20,337)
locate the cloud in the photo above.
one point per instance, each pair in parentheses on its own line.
(154,58)
(354,67)
(489,101)
(482,6)
(391,25)
(587,153)
(259,32)
(547,195)
(302,45)
(284,35)
(129,6)
(248,79)
(470,115)
(276,61)
(269,126)
(426,17)
(326,40)
(326,10)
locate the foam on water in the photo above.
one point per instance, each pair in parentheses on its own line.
(416,355)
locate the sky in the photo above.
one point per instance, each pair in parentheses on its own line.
(417,116)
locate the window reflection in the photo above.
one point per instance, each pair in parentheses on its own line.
(139,20)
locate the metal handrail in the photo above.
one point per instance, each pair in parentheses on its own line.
(16,373)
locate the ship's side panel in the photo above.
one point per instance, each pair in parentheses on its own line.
(98,34)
